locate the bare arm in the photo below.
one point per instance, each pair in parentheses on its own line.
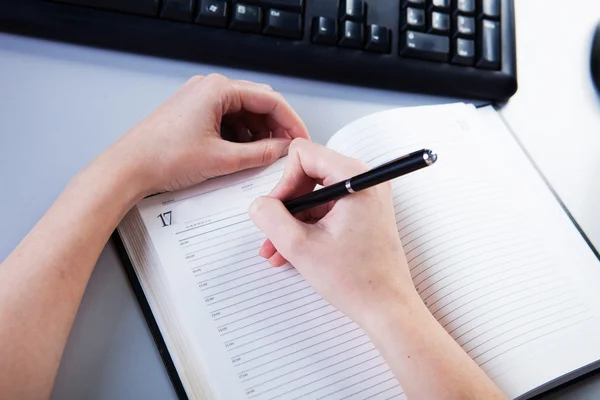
(350,252)
(42,281)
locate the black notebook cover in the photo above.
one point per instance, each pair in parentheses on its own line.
(149,317)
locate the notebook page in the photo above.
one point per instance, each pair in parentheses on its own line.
(259,332)
(485,242)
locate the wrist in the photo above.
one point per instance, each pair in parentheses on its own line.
(390,316)
(108,177)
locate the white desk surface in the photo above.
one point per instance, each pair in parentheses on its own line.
(61,105)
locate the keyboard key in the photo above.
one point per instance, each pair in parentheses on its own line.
(465,25)
(283,23)
(213,13)
(415,3)
(353,10)
(440,22)
(414,19)
(441,3)
(144,7)
(464,53)
(489,45)
(491,8)
(180,10)
(352,35)
(425,45)
(246,18)
(466,6)
(378,39)
(324,30)
(290,5)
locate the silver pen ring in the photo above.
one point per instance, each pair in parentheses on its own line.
(349,187)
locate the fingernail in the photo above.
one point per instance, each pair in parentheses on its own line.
(261,252)
(271,261)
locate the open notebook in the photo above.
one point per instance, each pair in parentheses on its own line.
(491,251)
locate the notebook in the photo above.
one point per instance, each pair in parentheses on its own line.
(492,253)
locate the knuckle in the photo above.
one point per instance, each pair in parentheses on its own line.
(297,239)
(195,80)
(216,80)
(279,97)
(356,166)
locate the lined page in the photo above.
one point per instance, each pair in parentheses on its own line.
(483,245)
(262,332)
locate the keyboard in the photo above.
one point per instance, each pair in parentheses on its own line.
(458,48)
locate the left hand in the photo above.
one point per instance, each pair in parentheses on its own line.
(180,144)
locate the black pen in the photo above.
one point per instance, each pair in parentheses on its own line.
(385,172)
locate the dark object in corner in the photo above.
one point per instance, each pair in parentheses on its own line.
(595,58)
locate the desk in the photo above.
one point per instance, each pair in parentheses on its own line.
(61,105)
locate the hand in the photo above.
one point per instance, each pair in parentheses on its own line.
(348,250)
(180,144)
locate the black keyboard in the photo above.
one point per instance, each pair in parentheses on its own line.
(463,48)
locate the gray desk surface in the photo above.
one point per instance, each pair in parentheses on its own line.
(62,105)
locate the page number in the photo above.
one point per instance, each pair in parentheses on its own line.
(165,218)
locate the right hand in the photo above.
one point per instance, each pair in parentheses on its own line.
(348,250)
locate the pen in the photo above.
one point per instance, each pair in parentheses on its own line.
(385,172)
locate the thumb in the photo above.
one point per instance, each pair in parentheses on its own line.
(260,153)
(287,233)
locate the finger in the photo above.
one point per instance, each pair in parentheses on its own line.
(239,156)
(249,83)
(287,234)
(267,249)
(257,99)
(277,260)
(308,163)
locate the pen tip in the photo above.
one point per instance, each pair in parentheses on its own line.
(430,157)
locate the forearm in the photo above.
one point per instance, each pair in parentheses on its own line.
(52,266)
(428,363)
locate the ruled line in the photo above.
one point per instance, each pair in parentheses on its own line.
(521,290)
(275,324)
(209,223)
(262,261)
(535,338)
(383,391)
(315,363)
(263,311)
(225,249)
(488,312)
(300,350)
(292,327)
(257,296)
(264,302)
(295,343)
(308,356)
(251,290)
(244,276)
